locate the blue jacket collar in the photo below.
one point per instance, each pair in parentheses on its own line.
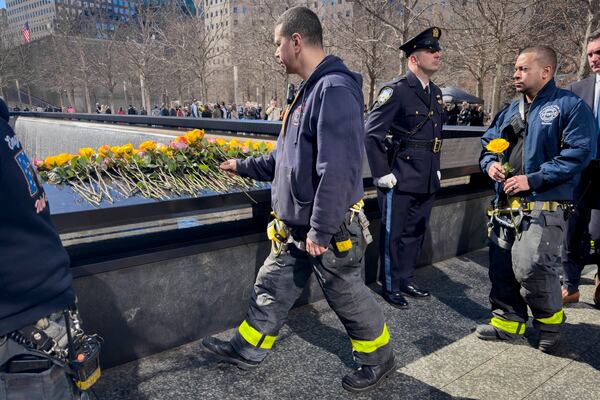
(548,89)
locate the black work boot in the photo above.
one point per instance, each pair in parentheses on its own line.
(549,341)
(225,352)
(368,376)
(488,332)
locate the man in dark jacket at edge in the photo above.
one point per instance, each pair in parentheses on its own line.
(34,267)
(551,133)
(316,171)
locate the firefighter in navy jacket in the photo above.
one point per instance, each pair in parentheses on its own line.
(316,172)
(403,142)
(551,133)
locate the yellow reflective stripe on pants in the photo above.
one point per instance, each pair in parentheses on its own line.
(369,346)
(556,319)
(508,326)
(254,337)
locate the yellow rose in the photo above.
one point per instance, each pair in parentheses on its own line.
(221,142)
(86,152)
(103,151)
(148,145)
(162,148)
(116,150)
(127,148)
(497,146)
(50,162)
(62,159)
(270,146)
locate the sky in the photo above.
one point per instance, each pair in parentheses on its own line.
(2,4)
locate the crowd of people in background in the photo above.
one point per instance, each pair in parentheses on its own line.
(456,113)
(191,109)
(198,109)
(465,114)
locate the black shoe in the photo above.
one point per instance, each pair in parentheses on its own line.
(395,299)
(414,291)
(549,341)
(368,376)
(225,352)
(488,332)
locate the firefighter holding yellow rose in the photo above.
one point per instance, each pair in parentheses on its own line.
(534,151)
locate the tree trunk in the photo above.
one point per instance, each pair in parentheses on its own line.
(497,83)
(372,81)
(111,98)
(62,103)
(480,87)
(71,96)
(30,102)
(591,22)
(19,93)
(125,94)
(88,101)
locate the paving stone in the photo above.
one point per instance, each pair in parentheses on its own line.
(438,355)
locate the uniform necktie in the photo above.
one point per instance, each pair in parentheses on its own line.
(426,89)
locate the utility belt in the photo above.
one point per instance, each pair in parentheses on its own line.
(400,143)
(281,235)
(510,213)
(58,339)
(516,204)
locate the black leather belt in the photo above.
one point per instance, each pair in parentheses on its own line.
(434,145)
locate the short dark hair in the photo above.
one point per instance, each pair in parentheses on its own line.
(545,54)
(594,36)
(303,21)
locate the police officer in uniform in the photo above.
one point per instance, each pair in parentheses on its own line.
(550,132)
(316,174)
(404,138)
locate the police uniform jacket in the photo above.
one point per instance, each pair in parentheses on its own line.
(559,141)
(401,106)
(316,168)
(34,267)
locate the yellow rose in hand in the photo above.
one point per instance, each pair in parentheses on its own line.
(497,146)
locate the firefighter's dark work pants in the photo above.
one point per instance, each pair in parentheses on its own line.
(280,282)
(50,384)
(524,272)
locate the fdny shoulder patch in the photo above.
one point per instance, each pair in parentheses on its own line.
(27,169)
(384,95)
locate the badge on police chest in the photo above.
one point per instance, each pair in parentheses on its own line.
(384,95)
(439,99)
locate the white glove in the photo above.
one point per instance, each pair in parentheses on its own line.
(439,175)
(387,182)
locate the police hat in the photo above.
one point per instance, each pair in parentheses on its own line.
(428,39)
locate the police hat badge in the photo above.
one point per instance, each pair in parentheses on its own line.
(428,39)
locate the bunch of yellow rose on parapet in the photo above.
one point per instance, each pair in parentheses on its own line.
(188,165)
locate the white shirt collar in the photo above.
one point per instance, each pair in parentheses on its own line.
(423,83)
